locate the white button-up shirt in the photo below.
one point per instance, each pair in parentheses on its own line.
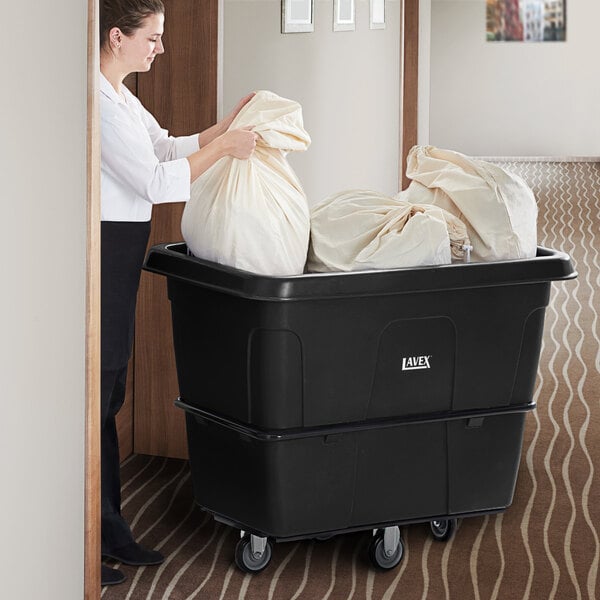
(141,164)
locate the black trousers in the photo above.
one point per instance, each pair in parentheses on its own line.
(123,246)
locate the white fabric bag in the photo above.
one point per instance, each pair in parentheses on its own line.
(498,208)
(253,214)
(360,229)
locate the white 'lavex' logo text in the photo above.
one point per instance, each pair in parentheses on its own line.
(411,363)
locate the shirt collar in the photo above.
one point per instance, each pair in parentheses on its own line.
(108,90)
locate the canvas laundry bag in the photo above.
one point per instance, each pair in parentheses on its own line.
(360,229)
(498,208)
(253,214)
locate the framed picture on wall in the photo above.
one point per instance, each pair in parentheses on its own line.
(343,15)
(297,16)
(526,20)
(377,11)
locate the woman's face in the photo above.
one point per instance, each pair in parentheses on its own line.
(139,49)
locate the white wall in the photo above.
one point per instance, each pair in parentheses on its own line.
(513,98)
(42,306)
(347,83)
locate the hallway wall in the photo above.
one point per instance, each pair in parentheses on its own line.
(347,82)
(513,98)
(42,304)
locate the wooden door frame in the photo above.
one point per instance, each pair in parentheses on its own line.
(92,359)
(409,35)
(409,80)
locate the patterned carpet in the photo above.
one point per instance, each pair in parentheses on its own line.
(545,546)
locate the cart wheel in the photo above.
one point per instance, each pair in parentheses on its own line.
(252,562)
(443,529)
(378,555)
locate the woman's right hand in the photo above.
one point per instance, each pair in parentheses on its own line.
(240,143)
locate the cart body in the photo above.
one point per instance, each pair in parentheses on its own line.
(324,403)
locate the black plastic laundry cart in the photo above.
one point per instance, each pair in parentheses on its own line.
(329,403)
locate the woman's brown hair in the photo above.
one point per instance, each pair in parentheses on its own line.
(127,15)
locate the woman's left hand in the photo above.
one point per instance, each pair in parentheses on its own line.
(234,113)
(207,136)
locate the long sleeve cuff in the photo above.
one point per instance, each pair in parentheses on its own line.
(186,145)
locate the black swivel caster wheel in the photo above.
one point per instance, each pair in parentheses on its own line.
(251,561)
(382,558)
(443,529)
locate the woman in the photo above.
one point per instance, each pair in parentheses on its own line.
(141,166)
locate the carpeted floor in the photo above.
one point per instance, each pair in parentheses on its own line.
(544,547)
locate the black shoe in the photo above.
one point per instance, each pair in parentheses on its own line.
(111,576)
(133,554)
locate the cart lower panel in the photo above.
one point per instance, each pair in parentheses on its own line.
(295,486)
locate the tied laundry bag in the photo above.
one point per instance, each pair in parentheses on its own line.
(361,229)
(498,208)
(253,214)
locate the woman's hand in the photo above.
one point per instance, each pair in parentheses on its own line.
(228,120)
(212,133)
(239,143)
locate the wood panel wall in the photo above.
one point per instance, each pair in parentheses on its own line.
(181,92)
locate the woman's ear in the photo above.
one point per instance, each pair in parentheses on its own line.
(115,37)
